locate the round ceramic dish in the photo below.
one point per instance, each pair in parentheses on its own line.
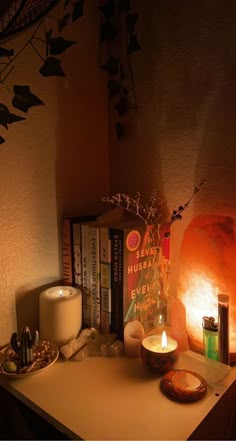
(183,385)
(34,371)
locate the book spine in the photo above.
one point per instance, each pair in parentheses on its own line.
(86,288)
(77,253)
(94,262)
(67,253)
(117,281)
(105,270)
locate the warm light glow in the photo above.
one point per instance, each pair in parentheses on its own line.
(207,268)
(60,293)
(199,299)
(164,340)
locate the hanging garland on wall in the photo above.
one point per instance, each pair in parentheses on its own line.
(118,41)
(16,17)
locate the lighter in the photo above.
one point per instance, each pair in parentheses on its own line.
(210,337)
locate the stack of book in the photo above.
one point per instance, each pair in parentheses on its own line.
(120,267)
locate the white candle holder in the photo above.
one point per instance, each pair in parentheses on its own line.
(60,314)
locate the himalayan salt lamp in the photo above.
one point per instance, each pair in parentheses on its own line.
(207,268)
(178,325)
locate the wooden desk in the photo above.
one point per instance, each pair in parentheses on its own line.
(116,399)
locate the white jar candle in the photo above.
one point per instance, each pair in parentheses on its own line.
(60,314)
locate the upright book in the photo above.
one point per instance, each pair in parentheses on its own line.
(145,276)
(134,276)
(90,274)
(71,249)
(105,282)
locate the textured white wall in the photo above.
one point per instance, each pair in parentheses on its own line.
(184,129)
(52,164)
(82,133)
(28,215)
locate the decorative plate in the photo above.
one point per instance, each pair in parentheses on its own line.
(45,355)
(183,385)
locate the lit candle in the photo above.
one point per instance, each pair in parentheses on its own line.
(60,314)
(159,352)
(160,343)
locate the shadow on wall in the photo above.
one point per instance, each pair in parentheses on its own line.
(193,77)
(82,167)
(27,306)
(135,159)
(211,101)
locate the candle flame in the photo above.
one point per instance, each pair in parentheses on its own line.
(60,293)
(164,340)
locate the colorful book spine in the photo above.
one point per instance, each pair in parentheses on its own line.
(117,281)
(77,254)
(67,253)
(105,270)
(71,259)
(94,263)
(86,291)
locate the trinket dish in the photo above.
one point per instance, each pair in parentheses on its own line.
(183,385)
(45,355)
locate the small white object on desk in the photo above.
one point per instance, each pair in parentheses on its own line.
(60,314)
(133,335)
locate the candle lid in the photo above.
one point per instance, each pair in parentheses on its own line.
(183,385)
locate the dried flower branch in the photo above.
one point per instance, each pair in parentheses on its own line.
(150,213)
(177,214)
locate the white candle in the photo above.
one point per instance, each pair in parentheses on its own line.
(159,343)
(133,334)
(60,314)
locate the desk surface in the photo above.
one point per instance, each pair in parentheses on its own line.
(119,398)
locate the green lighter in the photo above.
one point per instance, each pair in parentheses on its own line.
(210,337)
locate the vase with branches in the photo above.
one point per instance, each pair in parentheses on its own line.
(149,305)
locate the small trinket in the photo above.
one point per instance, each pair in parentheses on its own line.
(183,385)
